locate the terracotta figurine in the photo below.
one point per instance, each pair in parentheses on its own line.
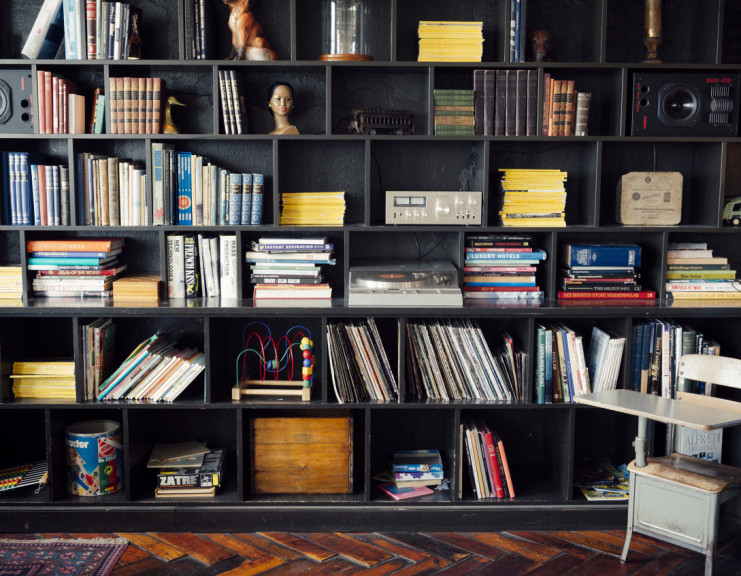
(248,38)
(168,127)
(281,103)
(540,45)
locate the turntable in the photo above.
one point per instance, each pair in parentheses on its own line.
(433,283)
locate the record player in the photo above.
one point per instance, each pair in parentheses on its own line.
(428,283)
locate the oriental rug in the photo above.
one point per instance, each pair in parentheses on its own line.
(60,557)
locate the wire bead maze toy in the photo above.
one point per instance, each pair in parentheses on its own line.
(275,358)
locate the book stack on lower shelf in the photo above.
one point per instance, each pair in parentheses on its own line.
(44,379)
(138,288)
(186,470)
(487,461)
(694,272)
(290,269)
(604,358)
(11,283)
(501,267)
(601,271)
(533,197)
(454,112)
(599,479)
(412,473)
(79,267)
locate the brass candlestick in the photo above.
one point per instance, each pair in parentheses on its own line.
(652,31)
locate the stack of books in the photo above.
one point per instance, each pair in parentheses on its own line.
(601,271)
(450,41)
(694,272)
(312,209)
(137,105)
(75,266)
(454,112)
(155,370)
(488,469)
(34,194)
(604,359)
(478,373)
(98,346)
(290,268)
(601,480)
(501,267)
(360,367)
(232,103)
(11,282)
(186,470)
(44,379)
(412,473)
(533,197)
(137,288)
(560,366)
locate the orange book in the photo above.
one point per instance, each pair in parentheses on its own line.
(547,86)
(128,105)
(141,115)
(555,88)
(113,105)
(149,88)
(120,105)
(503,457)
(568,104)
(158,94)
(48,100)
(75,245)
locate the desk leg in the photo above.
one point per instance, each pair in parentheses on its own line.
(640,442)
(629,528)
(640,448)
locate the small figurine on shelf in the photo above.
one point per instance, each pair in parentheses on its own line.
(281,103)
(169,126)
(540,45)
(248,38)
(134,43)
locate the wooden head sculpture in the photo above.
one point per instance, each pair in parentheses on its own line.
(540,45)
(248,38)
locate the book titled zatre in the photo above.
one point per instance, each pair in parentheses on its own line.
(208,475)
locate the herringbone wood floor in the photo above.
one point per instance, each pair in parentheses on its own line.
(406,554)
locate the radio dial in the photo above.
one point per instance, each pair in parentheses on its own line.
(442,210)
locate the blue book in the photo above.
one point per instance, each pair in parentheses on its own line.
(540,364)
(74,44)
(635,377)
(68,261)
(24,189)
(518,20)
(258,182)
(235,198)
(601,254)
(35,196)
(567,358)
(6,188)
(75,254)
(185,190)
(15,196)
(548,367)
(416,461)
(536,254)
(246,199)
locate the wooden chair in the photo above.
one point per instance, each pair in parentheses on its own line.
(677,498)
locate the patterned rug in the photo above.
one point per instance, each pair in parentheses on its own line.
(60,557)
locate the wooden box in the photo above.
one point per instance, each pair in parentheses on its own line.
(301,455)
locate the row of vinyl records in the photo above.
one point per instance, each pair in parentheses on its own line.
(90,29)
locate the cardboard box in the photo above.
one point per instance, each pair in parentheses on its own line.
(301,455)
(649,199)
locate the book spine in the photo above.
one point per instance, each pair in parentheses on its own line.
(228,266)
(235,198)
(185,213)
(47,32)
(246,212)
(236,104)
(91,23)
(258,181)
(191,267)
(158,185)
(225,102)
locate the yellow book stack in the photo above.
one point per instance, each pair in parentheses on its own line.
(44,379)
(312,209)
(11,282)
(533,197)
(448,41)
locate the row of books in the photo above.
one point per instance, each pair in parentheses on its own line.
(451,360)
(488,469)
(604,358)
(501,266)
(506,102)
(533,197)
(232,103)
(358,362)
(601,271)
(34,193)
(187,469)
(693,271)
(189,190)
(657,347)
(98,348)
(90,29)
(517,31)
(43,379)
(312,208)
(155,370)
(59,109)
(450,41)
(91,266)
(11,282)
(560,365)
(454,112)
(201,265)
(112,191)
(136,104)
(200,30)
(565,110)
(290,268)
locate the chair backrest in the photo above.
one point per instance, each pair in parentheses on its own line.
(721,370)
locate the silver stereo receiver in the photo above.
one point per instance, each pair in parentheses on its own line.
(443,207)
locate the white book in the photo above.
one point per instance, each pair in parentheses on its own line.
(213,247)
(175,266)
(37,35)
(228,266)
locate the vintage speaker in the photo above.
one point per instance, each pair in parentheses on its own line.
(16,102)
(685,104)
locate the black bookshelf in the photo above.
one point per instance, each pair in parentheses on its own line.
(597,43)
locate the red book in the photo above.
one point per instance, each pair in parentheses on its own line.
(41,101)
(500,288)
(55,90)
(42,196)
(158,95)
(403,493)
(75,244)
(48,100)
(493,463)
(500,249)
(478,269)
(149,89)
(644,295)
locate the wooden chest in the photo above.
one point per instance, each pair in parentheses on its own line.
(301,455)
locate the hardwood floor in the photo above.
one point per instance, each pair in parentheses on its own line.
(407,554)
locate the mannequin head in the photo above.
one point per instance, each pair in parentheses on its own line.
(280,102)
